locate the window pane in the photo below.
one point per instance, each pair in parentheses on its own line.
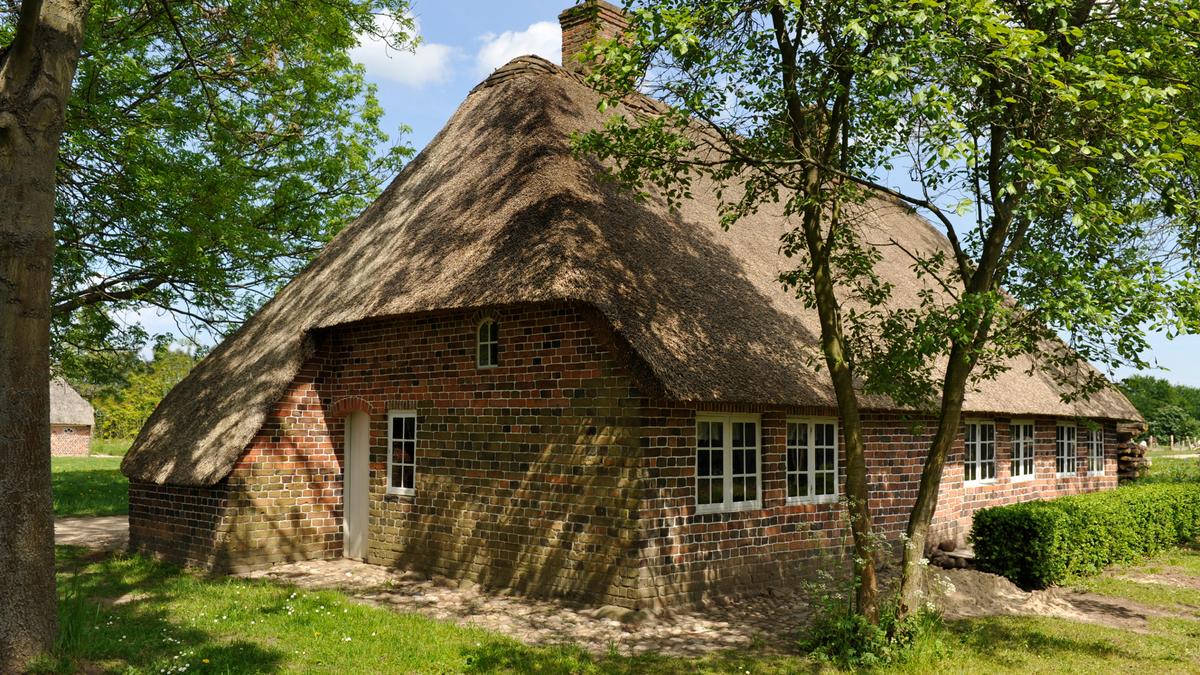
(717,458)
(751,437)
(718,491)
(803,492)
(410,427)
(792,432)
(483,355)
(702,438)
(397,427)
(717,430)
(751,489)
(494,331)
(793,483)
(739,489)
(751,461)
(739,463)
(793,455)
(738,436)
(702,463)
(408,477)
(494,354)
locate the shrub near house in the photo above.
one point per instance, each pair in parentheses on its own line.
(1042,543)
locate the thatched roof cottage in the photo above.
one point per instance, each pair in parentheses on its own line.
(508,370)
(71,420)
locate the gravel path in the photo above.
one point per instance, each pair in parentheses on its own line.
(764,621)
(109,533)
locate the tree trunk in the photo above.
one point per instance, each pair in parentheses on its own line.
(953,392)
(833,346)
(35,83)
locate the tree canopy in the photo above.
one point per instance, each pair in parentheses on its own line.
(1169,409)
(209,150)
(1056,144)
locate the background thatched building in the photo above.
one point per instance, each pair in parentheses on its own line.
(510,371)
(71,420)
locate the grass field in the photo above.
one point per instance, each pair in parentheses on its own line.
(89,486)
(110,446)
(135,615)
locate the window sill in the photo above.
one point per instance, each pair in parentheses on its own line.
(823,499)
(1096,473)
(1072,474)
(401,492)
(1024,478)
(705,509)
(981,483)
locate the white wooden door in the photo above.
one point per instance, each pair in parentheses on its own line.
(356,478)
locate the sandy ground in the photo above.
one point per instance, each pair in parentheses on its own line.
(109,533)
(969,593)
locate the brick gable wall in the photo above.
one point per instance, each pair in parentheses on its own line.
(70,439)
(558,473)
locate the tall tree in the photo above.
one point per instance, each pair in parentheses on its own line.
(210,149)
(1055,142)
(36,69)
(206,151)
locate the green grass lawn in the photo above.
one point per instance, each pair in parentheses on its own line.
(110,446)
(89,486)
(134,615)
(1172,470)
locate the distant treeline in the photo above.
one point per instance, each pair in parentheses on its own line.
(1169,409)
(130,388)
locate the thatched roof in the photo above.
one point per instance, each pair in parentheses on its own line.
(67,406)
(496,210)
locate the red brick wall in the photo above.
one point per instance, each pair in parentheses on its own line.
(70,439)
(557,473)
(689,556)
(525,471)
(282,501)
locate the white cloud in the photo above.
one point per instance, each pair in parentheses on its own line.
(543,38)
(430,63)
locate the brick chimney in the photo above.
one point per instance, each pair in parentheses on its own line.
(587,21)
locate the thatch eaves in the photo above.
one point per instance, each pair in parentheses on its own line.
(497,210)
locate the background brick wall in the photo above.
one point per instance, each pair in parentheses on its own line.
(76,441)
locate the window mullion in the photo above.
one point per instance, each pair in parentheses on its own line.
(727,477)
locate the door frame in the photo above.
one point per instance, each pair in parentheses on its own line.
(356,479)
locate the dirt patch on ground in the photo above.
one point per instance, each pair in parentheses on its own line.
(961,594)
(771,622)
(1167,577)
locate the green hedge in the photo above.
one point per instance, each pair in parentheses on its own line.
(1040,543)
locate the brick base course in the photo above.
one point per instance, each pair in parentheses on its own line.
(559,473)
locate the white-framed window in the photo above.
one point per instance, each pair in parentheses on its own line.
(487,347)
(402,453)
(727,463)
(1022,449)
(812,461)
(1065,455)
(979,441)
(1093,440)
